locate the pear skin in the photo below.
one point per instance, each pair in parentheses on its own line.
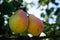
(35,26)
(18,22)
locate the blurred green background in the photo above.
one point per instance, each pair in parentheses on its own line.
(48,12)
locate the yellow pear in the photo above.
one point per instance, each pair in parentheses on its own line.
(35,26)
(18,22)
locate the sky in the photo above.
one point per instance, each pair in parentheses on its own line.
(37,12)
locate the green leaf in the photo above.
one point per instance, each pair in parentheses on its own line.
(42,15)
(49,11)
(6,8)
(9,1)
(47,29)
(20,1)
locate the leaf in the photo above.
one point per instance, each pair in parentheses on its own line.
(49,11)
(6,8)
(57,12)
(20,1)
(47,29)
(42,15)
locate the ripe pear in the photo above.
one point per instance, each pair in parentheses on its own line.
(35,26)
(18,22)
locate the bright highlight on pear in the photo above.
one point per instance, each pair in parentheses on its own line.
(18,22)
(35,26)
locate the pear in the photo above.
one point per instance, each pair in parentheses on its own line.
(35,26)
(18,22)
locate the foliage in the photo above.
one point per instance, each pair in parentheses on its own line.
(7,8)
